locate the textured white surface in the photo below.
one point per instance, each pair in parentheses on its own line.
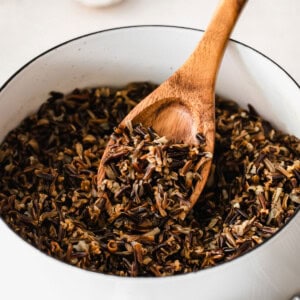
(28,27)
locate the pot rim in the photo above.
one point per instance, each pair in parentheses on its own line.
(179,276)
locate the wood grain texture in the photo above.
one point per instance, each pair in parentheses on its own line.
(184,104)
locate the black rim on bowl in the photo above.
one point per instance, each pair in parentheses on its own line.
(155,26)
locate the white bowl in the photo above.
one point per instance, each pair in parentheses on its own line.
(116,57)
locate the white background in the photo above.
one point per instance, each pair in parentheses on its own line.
(29,27)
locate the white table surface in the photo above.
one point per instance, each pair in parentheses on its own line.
(29,27)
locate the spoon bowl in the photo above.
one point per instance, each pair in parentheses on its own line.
(183,106)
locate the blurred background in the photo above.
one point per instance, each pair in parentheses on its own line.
(29,27)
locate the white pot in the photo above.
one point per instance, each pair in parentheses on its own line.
(116,57)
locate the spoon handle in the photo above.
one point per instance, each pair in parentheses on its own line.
(204,62)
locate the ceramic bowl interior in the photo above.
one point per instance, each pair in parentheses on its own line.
(151,53)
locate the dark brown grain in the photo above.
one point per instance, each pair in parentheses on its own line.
(48,195)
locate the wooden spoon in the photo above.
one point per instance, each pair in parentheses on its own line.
(184,104)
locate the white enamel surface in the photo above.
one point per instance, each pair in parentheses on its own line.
(272,271)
